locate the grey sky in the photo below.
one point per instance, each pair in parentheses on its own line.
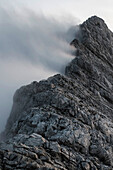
(81,9)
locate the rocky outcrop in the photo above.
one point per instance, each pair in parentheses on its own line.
(66,121)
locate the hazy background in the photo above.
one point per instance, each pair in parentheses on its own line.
(81,9)
(34,43)
(32,47)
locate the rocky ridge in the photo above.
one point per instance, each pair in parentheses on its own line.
(66,121)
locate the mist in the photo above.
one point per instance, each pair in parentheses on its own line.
(32,47)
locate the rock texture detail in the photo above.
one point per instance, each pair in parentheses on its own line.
(66,121)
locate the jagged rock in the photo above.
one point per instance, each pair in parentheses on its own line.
(66,121)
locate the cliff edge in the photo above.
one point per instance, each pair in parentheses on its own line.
(66,121)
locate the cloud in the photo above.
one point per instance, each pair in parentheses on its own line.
(32,47)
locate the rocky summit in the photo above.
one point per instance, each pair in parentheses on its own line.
(66,121)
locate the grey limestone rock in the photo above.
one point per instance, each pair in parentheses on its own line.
(66,121)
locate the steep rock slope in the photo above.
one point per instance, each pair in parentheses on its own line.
(66,121)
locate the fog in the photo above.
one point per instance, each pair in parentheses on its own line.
(32,47)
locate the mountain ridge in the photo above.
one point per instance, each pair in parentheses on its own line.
(66,121)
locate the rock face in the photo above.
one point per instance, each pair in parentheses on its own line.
(66,121)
